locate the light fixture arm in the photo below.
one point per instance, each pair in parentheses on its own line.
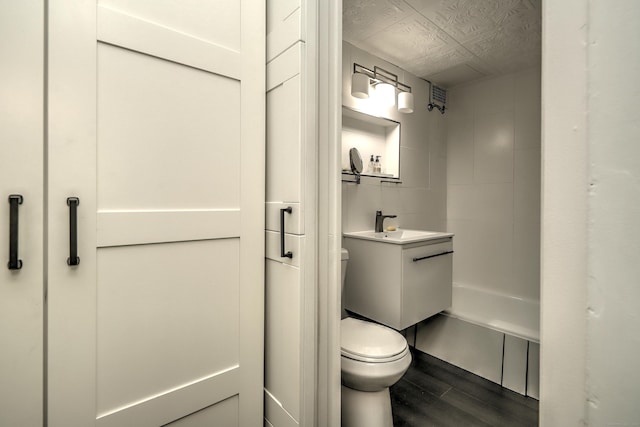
(380,75)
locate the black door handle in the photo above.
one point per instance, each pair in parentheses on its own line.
(14,262)
(284,254)
(73,203)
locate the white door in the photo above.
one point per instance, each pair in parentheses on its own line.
(156,124)
(21,169)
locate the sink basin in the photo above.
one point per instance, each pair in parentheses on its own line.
(398,237)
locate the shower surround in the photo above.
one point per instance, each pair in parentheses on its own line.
(493,207)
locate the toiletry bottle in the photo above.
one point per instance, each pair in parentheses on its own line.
(371,165)
(377,168)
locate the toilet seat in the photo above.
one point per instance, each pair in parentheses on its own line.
(369,342)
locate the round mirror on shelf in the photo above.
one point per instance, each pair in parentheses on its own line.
(356,163)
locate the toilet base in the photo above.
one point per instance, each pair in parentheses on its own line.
(366,408)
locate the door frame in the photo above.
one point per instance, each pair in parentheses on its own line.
(562,316)
(329,207)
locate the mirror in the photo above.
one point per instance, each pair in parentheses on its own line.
(377,138)
(356,163)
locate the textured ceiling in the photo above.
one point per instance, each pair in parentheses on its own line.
(447,41)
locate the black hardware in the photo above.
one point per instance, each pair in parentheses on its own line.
(380,221)
(14,262)
(432,256)
(431,106)
(356,178)
(282,252)
(73,203)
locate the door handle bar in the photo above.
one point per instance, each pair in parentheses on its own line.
(284,254)
(431,256)
(73,259)
(14,262)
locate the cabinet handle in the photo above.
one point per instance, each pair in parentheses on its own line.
(431,256)
(73,203)
(284,254)
(14,262)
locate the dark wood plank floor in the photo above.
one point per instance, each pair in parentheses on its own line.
(435,393)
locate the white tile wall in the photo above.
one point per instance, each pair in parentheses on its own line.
(493,147)
(420,201)
(493,187)
(459,148)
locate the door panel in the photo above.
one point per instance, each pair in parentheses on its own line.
(167,316)
(284,157)
(224,413)
(213,21)
(156,226)
(181,402)
(177,251)
(158,116)
(283,323)
(21,172)
(290,382)
(141,35)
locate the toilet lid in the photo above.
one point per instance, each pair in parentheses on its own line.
(370,342)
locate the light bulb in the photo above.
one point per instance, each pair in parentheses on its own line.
(386,94)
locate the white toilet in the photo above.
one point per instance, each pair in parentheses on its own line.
(374,358)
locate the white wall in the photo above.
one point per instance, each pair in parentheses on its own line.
(420,201)
(591,228)
(613,346)
(493,183)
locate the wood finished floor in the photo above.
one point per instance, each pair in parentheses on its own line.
(435,393)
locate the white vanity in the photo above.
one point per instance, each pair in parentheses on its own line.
(398,278)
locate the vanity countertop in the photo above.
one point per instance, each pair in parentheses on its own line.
(399,236)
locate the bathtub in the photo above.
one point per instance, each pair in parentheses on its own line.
(513,316)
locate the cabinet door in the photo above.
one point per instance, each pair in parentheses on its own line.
(156,120)
(426,281)
(21,173)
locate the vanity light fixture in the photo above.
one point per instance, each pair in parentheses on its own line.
(405,102)
(360,85)
(385,83)
(385,94)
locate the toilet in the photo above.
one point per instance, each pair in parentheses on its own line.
(373,358)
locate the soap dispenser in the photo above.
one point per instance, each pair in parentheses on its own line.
(371,165)
(377,168)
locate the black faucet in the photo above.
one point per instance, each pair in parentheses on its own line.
(380,221)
